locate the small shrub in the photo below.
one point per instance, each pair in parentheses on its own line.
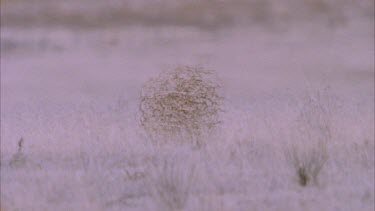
(18,159)
(310,136)
(308,162)
(182,102)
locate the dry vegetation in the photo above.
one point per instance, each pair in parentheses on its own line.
(310,136)
(170,182)
(184,102)
(18,159)
(175,143)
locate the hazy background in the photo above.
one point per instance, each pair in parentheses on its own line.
(85,49)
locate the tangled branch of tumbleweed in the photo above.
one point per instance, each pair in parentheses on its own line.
(183,102)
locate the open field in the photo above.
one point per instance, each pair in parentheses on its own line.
(296,130)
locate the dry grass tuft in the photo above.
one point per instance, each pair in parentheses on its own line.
(18,159)
(308,162)
(171,182)
(310,136)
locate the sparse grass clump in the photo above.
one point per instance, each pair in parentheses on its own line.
(308,162)
(18,159)
(184,102)
(310,136)
(170,183)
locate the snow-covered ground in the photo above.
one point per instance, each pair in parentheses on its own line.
(72,95)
